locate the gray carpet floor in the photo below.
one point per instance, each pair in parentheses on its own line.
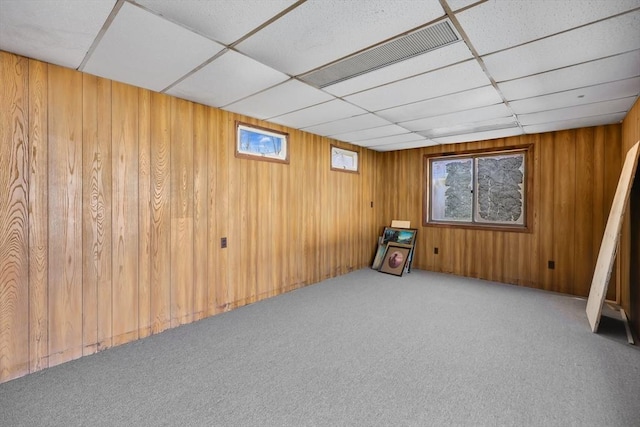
(363,349)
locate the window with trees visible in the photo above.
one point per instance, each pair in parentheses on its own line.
(478,189)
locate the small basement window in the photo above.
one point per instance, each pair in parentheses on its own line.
(479,189)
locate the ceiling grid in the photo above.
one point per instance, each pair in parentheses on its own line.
(363,71)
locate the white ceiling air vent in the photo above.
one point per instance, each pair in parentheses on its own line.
(404,47)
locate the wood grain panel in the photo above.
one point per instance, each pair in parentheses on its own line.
(91,169)
(200,212)
(564,210)
(220,144)
(144,213)
(181,212)
(583,219)
(264,228)
(545,207)
(104,218)
(65,214)
(613,159)
(125,230)
(14,220)
(38,217)
(160,262)
(303,222)
(223,142)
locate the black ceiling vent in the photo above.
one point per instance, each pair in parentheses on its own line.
(400,49)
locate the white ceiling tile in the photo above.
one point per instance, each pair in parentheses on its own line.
(428,61)
(582,122)
(586,95)
(284,98)
(371,133)
(604,70)
(459,4)
(321,113)
(59,32)
(466,100)
(497,25)
(466,116)
(444,81)
(405,145)
(605,38)
(223,21)
(393,139)
(597,109)
(347,125)
(321,31)
(138,41)
(228,78)
(479,136)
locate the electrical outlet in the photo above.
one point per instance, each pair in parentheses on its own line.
(223,242)
(551,265)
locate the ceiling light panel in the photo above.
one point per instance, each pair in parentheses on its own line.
(57,32)
(479,97)
(321,113)
(444,81)
(618,67)
(587,95)
(227,79)
(474,115)
(479,136)
(571,113)
(606,38)
(284,98)
(429,61)
(393,139)
(138,41)
(347,125)
(378,132)
(405,145)
(318,32)
(471,127)
(223,21)
(496,25)
(605,119)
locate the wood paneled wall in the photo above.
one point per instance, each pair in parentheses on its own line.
(630,241)
(575,175)
(113,201)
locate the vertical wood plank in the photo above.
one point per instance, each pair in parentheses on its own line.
(564,210)
(181,212)
(144,213)
(104,218)
(200,212)
(584,255)
(14,219)
(38,217)
(613,166)
(546,147)
(160,255)
(91,169)
(222,143)
(125,212)
(264,260)
(65,214)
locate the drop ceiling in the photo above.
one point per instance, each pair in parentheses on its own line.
(334,67)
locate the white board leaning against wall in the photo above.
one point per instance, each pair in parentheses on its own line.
(609,244)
